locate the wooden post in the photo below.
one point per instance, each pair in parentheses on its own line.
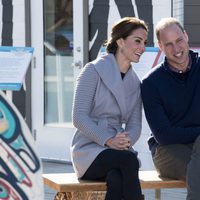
(157,194)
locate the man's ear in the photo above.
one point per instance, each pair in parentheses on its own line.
(160,45)
(186,36)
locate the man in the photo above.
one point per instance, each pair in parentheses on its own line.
(171,98)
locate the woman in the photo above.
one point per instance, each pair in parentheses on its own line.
(107,113)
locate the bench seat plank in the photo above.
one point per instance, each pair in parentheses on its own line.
(151,180)
(68,182)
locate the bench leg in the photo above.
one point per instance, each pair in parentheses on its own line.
(71,196)
(62,196)
(95,195)
(157,194)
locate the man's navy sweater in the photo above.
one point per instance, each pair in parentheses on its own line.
(172,104)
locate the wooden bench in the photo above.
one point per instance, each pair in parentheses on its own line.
(68,187)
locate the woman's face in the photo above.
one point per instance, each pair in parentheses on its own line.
(132,47)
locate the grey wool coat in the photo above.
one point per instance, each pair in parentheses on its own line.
(103,103)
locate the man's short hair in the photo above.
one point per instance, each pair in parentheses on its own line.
(166,22)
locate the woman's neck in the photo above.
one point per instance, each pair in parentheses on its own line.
(123,64)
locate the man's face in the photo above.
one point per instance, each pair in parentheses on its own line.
(174,43)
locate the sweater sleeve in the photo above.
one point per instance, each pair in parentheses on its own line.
(82,105)
(134,123)
(162,130)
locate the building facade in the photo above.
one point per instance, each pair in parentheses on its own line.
(65,34)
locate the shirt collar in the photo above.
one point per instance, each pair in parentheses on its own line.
(174,69)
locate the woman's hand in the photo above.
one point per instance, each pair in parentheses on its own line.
(121,141)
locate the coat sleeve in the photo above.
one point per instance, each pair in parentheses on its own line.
(82,105)
(161,128)
(134,123)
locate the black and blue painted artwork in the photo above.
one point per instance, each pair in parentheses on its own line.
(20,167)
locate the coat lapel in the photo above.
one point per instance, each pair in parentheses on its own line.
(108,70)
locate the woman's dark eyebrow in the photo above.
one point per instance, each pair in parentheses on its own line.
(135,36)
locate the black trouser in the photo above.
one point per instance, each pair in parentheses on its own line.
(120,171)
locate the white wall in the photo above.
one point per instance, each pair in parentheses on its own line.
(178,10)
(1,13)
(18,22)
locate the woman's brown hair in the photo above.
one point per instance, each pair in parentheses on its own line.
(122,29)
